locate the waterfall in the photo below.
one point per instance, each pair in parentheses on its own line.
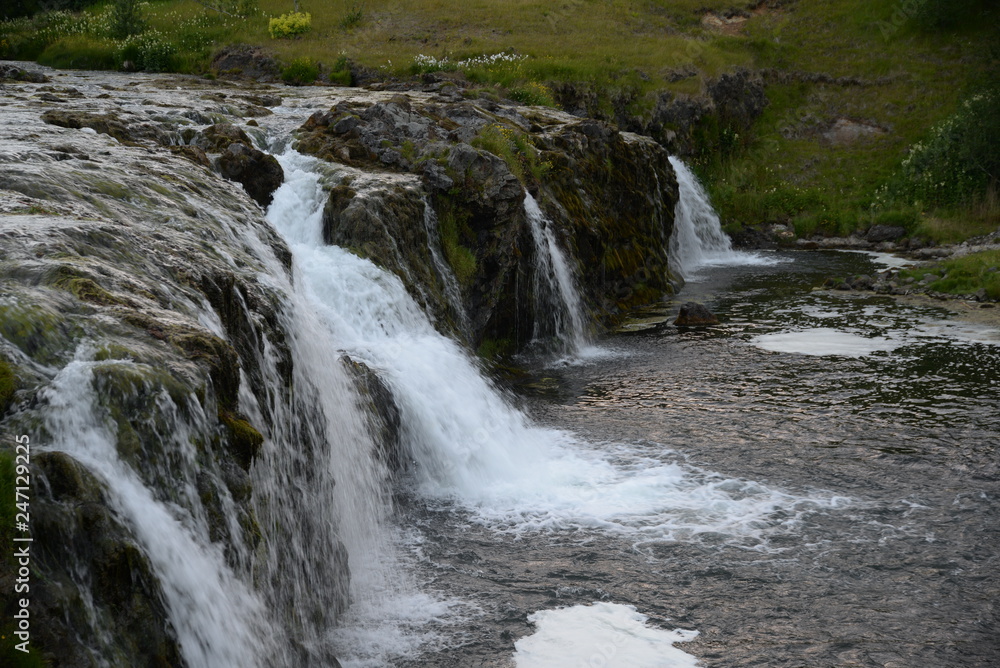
(556,295)
(466,441)
(452,291)
(218,619)
(698,239)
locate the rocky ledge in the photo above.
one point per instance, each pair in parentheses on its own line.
(609,194)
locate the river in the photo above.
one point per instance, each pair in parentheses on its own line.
(834,508)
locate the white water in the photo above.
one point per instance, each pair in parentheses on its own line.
(556,295)
(219,620)
(698,240)
(600,634)
(451,288)
(469,445)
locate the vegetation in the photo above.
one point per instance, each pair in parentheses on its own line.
(916,80)
(964,275)
(289,25)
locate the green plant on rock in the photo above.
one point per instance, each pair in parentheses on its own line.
(289,25)
(300,72)
(514,148)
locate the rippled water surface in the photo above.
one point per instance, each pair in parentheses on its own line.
(849,490)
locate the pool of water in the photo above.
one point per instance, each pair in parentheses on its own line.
(843,448)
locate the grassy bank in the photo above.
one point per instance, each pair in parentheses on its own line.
(856,88)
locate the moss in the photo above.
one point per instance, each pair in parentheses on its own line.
(244,440)
(8,385)
(113,351)
(39,332)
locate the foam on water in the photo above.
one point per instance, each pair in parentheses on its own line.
(825,341)
(600,634)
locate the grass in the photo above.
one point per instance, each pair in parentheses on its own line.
(964,275)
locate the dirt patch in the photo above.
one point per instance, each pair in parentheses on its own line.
(844,131)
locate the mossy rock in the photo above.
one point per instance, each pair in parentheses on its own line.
(244,440)
(8,385)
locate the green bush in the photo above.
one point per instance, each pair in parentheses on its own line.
(933,15)
(80,52)
(956,164)
(289,25)
(150,52)
(340,73)
(126,19)
(300,72)
(353,17)
(533,93)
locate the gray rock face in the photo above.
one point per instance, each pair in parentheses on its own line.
(259,173)
(611,195)
(880,233)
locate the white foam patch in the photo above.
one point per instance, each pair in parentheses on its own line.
(963,332)
(601,634)
(824,341)
(643,499)
(886,259)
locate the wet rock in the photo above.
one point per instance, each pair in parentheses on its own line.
(195,154)
(259,173)
(219,137)
(384,414)
(881,233)
(693,314)
(80,542)
(242,61)
(10,72)
(108,124)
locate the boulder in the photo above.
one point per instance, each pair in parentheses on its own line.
(880,233)
(244,61)
(693,314)
(259,173)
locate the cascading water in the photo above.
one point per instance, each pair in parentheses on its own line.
(219,620)
(698,239)
(466,441)
(559,313)
(451,288)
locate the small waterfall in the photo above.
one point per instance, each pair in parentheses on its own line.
(219,620)
(698,239)
(556,295)
(451,288)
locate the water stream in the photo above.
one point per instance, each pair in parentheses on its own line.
(813,482)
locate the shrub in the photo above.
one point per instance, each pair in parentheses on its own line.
(150,52)
(289,25)
(956,164)
(340,73)
(353,17)
(533,93)
(126,19)
(300,72)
